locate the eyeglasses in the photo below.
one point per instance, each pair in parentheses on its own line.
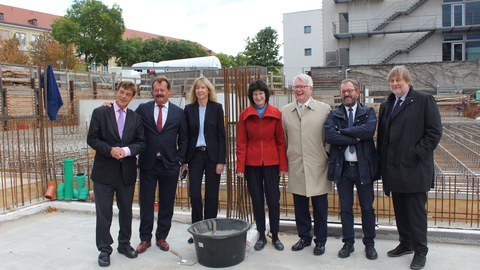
(302,87)
(349,91)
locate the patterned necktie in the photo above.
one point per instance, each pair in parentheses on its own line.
(300,111)
(121,122)
(159,120)
(351,148)
(395,108)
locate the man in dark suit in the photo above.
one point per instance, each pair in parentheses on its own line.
(116,135)
(206,148)
(409,130)
(166,137)
(349,129)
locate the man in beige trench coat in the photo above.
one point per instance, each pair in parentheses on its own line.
(303,122)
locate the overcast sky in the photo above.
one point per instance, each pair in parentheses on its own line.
(220,25)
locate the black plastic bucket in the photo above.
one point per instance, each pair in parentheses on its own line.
(220,242)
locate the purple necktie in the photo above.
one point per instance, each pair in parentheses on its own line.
(395,108)
(120,122)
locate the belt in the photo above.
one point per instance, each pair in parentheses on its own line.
(201,148)
(351,163)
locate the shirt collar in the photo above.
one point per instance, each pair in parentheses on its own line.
(116,108)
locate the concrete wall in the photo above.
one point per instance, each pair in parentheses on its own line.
(296,41)
(371,49)
(463,75)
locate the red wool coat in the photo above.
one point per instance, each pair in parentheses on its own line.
(260,141)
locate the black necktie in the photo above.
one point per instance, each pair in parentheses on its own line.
(395,108)
(351,148)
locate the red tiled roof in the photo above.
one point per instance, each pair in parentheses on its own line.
(129,33)
(23,17)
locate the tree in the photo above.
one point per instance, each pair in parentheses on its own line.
(64,31)
(48,51)
(130,52)
(158,49)
(11,53)
(262,50)
(95,29)
(227,61)
(183,49)
(153,50)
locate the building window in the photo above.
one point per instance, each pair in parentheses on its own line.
(460,12)
(35,39)
(308,51)
(307,29)
(2,17)
(343,22)
(22,40)
(93,67)
(104,68)
(33,22)
(461,47)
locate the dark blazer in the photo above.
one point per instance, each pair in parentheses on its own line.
(103,135)
(171,142)
(214,131)
(406,143)
(339,136)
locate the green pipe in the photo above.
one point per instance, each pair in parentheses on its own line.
(61,192)
(68,171)
(82,189)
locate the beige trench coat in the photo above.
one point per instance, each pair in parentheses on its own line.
(306,149)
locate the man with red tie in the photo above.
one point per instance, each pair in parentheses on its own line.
(166,143)
(116,134)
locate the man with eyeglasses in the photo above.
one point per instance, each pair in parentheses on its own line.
(302,122)
(349,130)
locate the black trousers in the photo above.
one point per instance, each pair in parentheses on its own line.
(303,220)
(262,182)
(411,219)
(166,179)
(104,212)
(350,177)
(199,165)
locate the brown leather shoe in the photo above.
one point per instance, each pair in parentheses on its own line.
(163,245)
(143,246)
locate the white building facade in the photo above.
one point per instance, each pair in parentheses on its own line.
(363,32)
(302,42)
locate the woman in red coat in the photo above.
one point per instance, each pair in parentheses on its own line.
(261,159)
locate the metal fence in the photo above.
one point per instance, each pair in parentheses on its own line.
(33,148)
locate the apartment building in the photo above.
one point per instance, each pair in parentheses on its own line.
(364,32)
(302,44)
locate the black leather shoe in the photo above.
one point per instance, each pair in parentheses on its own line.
(190,240)
(318,250)
(278,244)
(346,250)
(370,252)
(418,261)
(260,244)
(128,251)
(300,245)
(400,250)
(104,259)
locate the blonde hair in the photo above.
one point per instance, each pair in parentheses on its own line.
(212,95)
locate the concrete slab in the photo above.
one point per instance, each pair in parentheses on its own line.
(64,238)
